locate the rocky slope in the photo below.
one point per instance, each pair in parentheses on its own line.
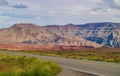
(106,34)
(87,35)
(42,35)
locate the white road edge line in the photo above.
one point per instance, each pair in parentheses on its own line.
(82,71)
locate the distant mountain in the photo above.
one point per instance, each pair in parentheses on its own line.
(43,35)
(106,34)
(87,35)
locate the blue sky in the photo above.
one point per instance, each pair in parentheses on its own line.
(47,12)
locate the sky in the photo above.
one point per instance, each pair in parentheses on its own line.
(48,12)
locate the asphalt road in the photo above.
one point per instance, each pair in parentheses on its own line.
(96,68)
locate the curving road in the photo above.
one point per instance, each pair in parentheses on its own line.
(92,68)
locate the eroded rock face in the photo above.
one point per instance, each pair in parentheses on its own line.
(106,34)
(91,34)
(33,34)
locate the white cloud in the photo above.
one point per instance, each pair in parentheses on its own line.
(113,3)
(117,3)
(3,2)
(61,11)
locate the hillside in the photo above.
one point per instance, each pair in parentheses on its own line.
(68,36)
(34,34)
(106,34)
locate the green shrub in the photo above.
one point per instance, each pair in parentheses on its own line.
(89,55)
(24,66)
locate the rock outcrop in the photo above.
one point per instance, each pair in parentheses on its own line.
(46,35)
(87,35)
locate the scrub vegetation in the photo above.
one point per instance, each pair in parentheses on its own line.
(24,66)
(105,54)
(87,55)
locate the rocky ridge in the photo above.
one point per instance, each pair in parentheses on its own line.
(34,34)
(69,36)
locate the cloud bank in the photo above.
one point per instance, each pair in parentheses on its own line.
(44,12)
(113,3)
(3,2)
(20,6)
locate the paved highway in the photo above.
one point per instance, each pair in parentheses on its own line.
(96,68)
